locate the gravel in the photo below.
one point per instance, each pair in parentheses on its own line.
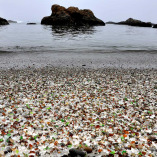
(48,111)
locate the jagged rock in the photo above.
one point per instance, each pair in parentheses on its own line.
(133,22)
(71,16)
(3,21)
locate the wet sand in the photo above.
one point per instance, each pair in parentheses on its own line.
(125,60)
(106,111)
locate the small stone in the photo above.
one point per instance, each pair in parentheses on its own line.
(133,145)
(153,138)
(62,144)
(86,148)
(8,150)
(140,146)
(69,143)
(77,152)
(11,140)
(1,154)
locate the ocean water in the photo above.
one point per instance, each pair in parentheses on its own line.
(109,38)
(113,46)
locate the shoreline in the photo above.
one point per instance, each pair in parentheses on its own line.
(117,60)
(50,110)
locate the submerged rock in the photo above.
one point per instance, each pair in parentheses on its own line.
(3,21)
(134,22)
(71,16)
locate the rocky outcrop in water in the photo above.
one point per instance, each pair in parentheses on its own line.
(31,23)
(71,16)
(155,26)
(133,22)
(3,21)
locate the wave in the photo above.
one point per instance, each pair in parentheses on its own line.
(18,21)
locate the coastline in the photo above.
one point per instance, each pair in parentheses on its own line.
(50,110)
(92,60)
(73,86)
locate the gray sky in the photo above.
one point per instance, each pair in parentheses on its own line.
(107,10)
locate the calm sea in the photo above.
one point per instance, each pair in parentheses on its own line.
(109,38)
(115,46)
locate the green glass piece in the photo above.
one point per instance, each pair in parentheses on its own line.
(122,138)
(67,123)
(28,105)
(62,120)
(21,137)
(69,146)
(124,151)
(131,128)
(8,135)
(113,152)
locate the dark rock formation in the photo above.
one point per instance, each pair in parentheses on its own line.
(133,22)
(155,26)
(3,21)
(31,23)
(71,16)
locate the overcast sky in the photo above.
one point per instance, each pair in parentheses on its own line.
(107,10)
